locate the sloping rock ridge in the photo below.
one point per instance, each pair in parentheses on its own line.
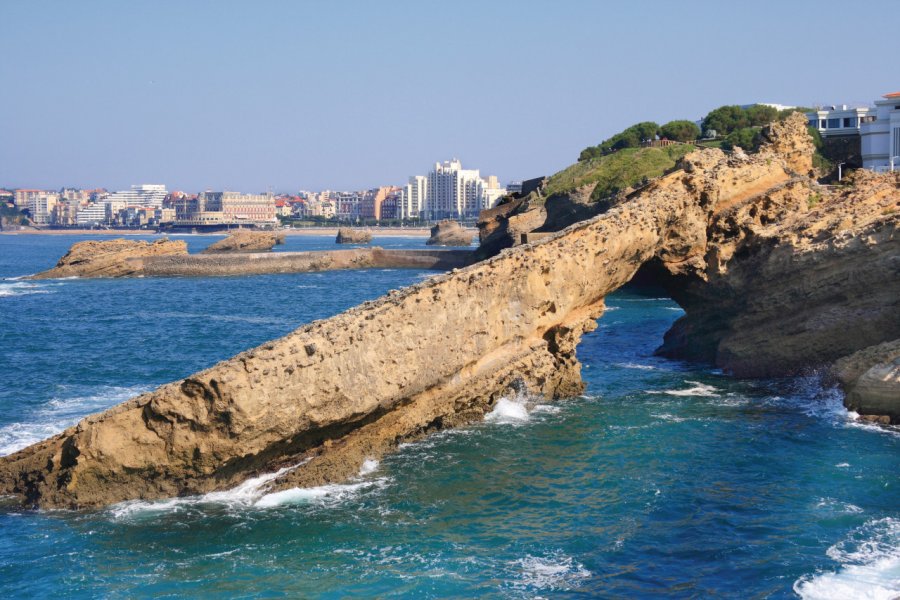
(110,258)
(244,240)
(445,350)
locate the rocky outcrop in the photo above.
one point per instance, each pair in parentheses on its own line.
(347,235)
(871,380)
(793,277)
(245,240)
(110,258)
(335,392)
(449,233)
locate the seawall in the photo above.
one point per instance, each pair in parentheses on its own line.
(211,265)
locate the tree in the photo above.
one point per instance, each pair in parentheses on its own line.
(726,119)
(748,138)
(760,114)
(680,131)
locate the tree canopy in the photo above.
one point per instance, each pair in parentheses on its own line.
(629,138)
(680,131)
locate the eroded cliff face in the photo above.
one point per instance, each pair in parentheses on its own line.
(440,353)
(110,258)
(794,277)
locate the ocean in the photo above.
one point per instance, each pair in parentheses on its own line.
(665,479)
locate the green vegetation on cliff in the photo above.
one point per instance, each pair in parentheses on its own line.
(615,172)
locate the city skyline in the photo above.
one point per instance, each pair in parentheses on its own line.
(289,96)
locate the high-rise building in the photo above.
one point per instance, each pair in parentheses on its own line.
(413,197)
(450,191)
(149,195)
(40,206)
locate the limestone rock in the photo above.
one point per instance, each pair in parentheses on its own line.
(449,233)
(348,235)
(871,380)
(110,258)
(245,240)
(774,274)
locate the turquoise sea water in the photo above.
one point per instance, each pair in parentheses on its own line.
(664,479)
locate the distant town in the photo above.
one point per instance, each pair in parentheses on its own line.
(447,192)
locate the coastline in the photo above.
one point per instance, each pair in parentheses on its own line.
(324,231)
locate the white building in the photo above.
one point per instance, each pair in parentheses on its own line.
(833,121)
(41,205)
(449,192)
(413,197)
(93,214)
(149,195)
(880,137)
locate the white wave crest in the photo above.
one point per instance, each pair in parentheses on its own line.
(59,414)
(870,566)
(252,493)
(698,389)
(554,572)
(22,288)
(509,411)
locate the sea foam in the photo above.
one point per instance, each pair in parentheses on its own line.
(870,566)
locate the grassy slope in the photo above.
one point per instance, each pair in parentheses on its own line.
(616,171)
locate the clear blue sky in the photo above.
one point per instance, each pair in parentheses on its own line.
(345,95)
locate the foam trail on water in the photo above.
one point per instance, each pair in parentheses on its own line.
(22,288)
(870,566)
(698,389)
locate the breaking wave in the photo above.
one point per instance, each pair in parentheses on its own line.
(869,561)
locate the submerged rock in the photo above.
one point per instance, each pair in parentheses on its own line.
(450,233)
(245,240)
(110,258)
(347,235)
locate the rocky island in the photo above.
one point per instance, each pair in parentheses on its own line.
(776,274)
(449,233)
(348,235)
(245,240)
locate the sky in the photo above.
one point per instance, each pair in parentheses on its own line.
(283,96)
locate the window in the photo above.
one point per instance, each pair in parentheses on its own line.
(834,123)
(822,124)
(850,121)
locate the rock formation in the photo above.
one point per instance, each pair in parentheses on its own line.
(449,233)
(871,380)
(110,258)
(246,240)
(347,235)
(793,277)
(335,392)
